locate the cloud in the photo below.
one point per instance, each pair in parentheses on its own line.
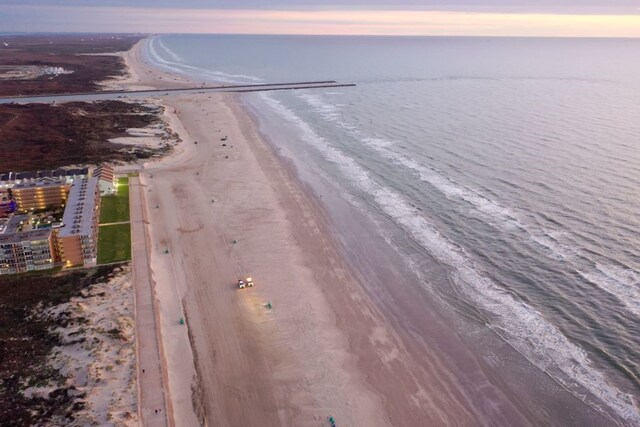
(506,6)
(381,22)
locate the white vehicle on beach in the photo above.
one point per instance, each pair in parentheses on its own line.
(248,282)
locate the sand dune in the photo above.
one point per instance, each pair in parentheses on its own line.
(98,353)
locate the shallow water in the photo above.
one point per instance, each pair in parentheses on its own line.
(512,163)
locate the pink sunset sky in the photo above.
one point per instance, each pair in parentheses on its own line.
(412,18)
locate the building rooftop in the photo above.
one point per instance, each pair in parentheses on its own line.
(60,172)
(104,173)
(26,175)
(23,237)
(78,214)
(39,183)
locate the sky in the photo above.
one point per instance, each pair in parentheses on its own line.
(546,18)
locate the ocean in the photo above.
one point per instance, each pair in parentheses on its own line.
(503,172)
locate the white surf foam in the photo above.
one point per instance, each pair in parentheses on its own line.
(448,187)
(620,282)
(521,325)
(497,214)
(176,65)
(155,57)
(623,284)
(171,53)
(445,185)
(553,248)
(442,183)
(327,111)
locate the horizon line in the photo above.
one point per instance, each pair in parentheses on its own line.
(468,36)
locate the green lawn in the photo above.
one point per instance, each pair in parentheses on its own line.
(114,243)
(115,208)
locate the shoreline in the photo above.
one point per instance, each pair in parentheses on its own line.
(367,355)
(355,315)
(252,324)
(398,381)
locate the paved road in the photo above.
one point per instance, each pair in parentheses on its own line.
(136,94)
(152,384)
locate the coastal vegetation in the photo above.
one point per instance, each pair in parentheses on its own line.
(26,331)
(76,54)
(43,136)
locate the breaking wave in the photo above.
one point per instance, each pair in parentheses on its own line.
(518,323)
(176,65)
(622,283)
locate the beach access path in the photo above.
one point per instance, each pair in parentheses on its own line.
(152,384)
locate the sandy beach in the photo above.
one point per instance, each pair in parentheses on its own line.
(308,341)
(223,210)
(421,232)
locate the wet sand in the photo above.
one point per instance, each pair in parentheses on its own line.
(325,348)
(341,338)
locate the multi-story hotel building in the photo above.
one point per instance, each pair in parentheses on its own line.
(40,194)
(28,251)
(77,239)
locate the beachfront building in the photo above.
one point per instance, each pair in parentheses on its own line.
(40,194)
(77,239)
(28,251)
(106,179)
(9,179)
